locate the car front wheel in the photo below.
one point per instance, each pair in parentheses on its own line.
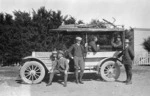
(110,70)
(32,72)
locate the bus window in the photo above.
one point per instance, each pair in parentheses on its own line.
(105,42)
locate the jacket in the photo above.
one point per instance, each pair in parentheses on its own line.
(61,64)
(73,50)
(128,55)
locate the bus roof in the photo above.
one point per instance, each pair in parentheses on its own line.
(77,28)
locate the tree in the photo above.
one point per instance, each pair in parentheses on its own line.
(146,44)
(22,18)
(8,19)
(70,20)
(24,34)
(2,18)
(80,22)
(6,37)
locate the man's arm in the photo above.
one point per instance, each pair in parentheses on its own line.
(112,42)
(119,54)
(131,52)
(70,51)
(84,50)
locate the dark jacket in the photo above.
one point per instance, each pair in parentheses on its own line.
(93,47)
(61,64)
(73,50)
(128,55)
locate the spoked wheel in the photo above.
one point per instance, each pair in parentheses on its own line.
(110,70)
(32,72)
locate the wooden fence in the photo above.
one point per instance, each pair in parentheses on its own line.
(142,58)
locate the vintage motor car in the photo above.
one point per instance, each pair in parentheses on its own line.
(35,68)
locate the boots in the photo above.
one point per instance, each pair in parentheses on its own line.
(81,75)
(65,80)
(50,79)
(80,79)
(76,75)
(129,77)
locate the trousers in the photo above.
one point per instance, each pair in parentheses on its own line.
(128,69)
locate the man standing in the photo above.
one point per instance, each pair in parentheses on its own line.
(59,66)
(77,52)
(128,56)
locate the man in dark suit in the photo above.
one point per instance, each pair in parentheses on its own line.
(59,66)
(77,53)
(92,45)
(128,56)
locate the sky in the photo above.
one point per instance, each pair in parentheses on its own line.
(130,13)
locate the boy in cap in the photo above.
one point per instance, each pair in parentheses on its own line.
(77,52)
(128,56)
(59,66)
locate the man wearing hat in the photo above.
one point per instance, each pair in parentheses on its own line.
(92,45)
(59,66)
(53,57)
(128,56)
(77,52)
(116,43)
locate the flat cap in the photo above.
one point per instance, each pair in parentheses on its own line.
(78,38)
(60,52)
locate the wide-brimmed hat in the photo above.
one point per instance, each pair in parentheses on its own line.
(60,52)
(78,38)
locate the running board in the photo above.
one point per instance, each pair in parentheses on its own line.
(85,71)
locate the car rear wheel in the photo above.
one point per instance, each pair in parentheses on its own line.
(110,70)
(32,72)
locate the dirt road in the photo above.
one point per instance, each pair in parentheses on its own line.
(10,85)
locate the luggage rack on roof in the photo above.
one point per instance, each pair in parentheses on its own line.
(83,28)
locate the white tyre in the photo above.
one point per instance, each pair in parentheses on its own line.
(32,72)
(110,70)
